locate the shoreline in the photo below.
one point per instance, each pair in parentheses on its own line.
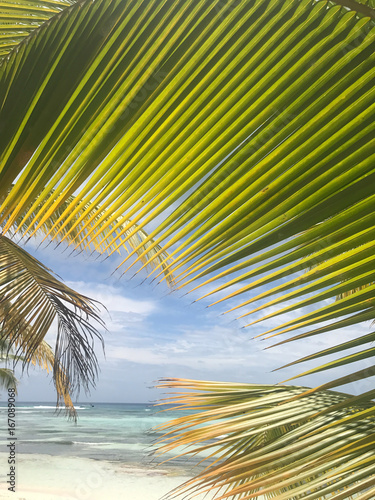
(51,477)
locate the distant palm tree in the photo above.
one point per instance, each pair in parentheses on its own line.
(242,134)
(7,377)
(44,357)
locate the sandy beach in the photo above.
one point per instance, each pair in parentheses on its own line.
(46,477)
(105,455)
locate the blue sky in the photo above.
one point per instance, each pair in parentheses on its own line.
(153,333)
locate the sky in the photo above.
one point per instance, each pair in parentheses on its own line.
(153,333)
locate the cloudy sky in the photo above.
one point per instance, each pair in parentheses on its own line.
(153,333)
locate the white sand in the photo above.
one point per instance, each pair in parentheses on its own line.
(46,477)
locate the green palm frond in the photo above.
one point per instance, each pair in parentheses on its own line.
(8,380)
(242,162)
(267,442)
(105,241)
(19,19)
(247,127)
(32,298)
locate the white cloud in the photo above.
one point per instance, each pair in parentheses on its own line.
(153,334)
(214,350)
(121,311)
(113,298)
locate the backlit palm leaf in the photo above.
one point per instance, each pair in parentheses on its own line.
(267,442)
(105,241)
(263,150)
(19,18)
(245,127)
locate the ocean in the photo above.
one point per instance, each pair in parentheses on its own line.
(116,432)
(56,457)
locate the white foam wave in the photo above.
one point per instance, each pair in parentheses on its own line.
(88,443)
(42,407)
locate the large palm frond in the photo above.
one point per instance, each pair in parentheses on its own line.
(247,127)
(259,155)
(275,441)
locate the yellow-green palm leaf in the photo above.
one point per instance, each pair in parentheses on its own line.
(45,358)
(246,126)
(106,240)
(19,19)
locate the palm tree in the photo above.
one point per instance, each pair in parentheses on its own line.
(246,128)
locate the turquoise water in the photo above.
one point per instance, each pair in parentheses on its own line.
(113,432)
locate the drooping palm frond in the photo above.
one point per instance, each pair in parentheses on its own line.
(31,299)
(267,442)
(8,379)
(46,359)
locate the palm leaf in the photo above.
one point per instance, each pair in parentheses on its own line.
(151,255)
(245,164)
(44,357)
(366,7)
(32,298)
(247,127)
(268,441)
(19,19)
